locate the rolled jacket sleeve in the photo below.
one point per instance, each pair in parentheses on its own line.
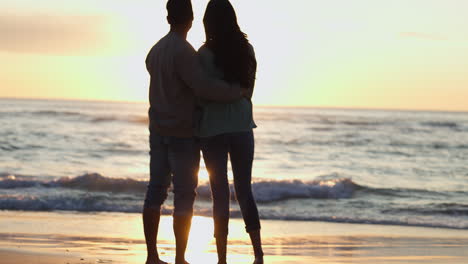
(191,72)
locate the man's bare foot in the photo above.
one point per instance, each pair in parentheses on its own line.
(258,260)
(155,261)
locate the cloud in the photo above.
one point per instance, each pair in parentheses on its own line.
(421,35)
(54,34)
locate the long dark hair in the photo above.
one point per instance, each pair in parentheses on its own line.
(228,43)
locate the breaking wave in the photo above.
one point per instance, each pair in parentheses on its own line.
(264,191)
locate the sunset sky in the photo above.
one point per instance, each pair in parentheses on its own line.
(354,53)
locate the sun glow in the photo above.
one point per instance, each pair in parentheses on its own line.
(203,172)
(360,53)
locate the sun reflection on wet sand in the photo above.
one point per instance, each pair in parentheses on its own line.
(201,240)
(118,238)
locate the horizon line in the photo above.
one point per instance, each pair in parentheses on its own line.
(331,107)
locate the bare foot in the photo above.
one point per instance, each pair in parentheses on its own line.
(156,261)
(258,260)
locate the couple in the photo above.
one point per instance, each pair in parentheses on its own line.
(201,101)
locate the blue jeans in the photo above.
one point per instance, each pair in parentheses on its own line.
(179,158)
(240,146)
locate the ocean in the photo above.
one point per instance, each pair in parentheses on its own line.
(311,164)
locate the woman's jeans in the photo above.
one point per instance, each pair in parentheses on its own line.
(240,146)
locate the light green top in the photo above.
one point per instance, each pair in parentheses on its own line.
(220,118)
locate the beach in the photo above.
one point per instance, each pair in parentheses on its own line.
(353,112)
(63,237)
(348,186)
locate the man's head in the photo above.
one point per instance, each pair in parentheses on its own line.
(180,13)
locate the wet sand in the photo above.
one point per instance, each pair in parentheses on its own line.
(69,237)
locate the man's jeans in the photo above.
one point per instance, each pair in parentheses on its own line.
(240,146)
(179,157)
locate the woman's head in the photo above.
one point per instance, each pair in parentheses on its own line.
(220,19)
(228,43)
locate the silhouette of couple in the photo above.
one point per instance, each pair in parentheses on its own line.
(201,101)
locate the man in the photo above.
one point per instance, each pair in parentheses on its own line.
(176,80)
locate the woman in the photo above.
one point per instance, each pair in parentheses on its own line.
(227,128)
